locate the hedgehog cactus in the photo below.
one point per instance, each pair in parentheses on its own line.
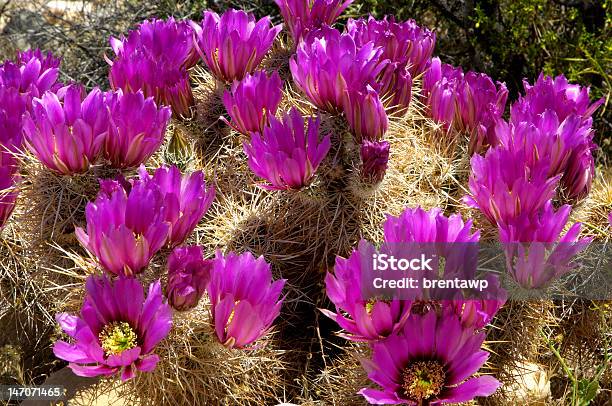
(8,193)
(252,101)
(287,154)
(136,128)
(328,64)
(67,136)
(276,174)
(234,44)
(244,299)
(304,16)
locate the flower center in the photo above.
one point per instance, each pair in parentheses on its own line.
(117,337)
(370,303)
(423,380)
(231,316)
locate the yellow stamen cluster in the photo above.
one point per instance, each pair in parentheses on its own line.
(231,316)
(370,303)
(117,337)
(422,380)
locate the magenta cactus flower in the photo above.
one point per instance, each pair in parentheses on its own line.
(476,313)
(12,109)
(155,59)
(468,102)
(431,231)
(329,63)
(544,226)
(244,299)
(536,252)
(168,84)
(579,174)
(8,191)
(287,155)
(117,331)
(610,218)
(555,94)
(404,43)
(431,361)
(302,17)
(188,275)
(503,186)
(442,102)
(395,88)
(418,225)
(568,147)
(361,319)
(136,128)
(374,158)
(234,44)
(252,101)
(406,46)
(436,71)
(365,114)
(47,61)
(168,40)
(481,105)
(440,88)
(66,133)
(453,240)
(186,199)
(125,229)
(32,74)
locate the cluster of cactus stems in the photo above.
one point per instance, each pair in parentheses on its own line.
(420,353)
